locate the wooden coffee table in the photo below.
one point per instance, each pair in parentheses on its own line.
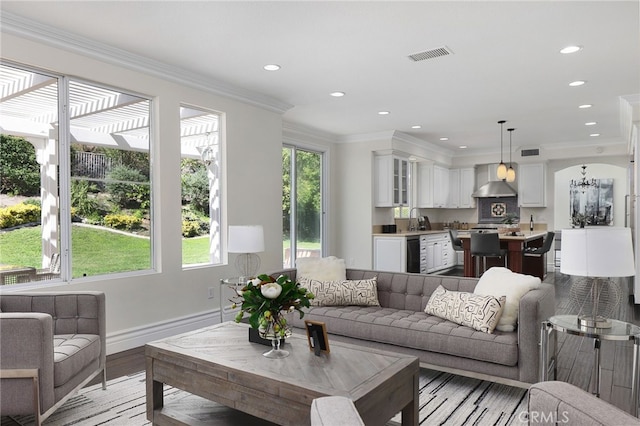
(218,363)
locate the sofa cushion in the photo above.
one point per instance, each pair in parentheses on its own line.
(71,354)
(498,282)
(324,269)
(416,330)
(476,311)
(342,293)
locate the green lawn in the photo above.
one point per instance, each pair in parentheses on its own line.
(95,251)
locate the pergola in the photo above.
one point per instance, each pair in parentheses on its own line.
(97,116)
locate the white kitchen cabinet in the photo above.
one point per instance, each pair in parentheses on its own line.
(437,251)
(392,179)
(467,186)
(440,186)
(453,198)
(532,185)
(390,254)
(424,184)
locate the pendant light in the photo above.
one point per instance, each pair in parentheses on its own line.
(501,171)
(511,173)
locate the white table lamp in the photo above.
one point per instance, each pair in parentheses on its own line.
(247,240)
(597,253)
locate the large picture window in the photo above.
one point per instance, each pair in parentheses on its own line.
(302,204)
(85,209)
(200,180)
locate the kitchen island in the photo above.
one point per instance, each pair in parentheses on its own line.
(515,245)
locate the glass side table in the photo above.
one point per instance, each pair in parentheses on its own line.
(619,331)
(232,283)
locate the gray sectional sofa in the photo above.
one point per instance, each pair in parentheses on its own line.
(401,325)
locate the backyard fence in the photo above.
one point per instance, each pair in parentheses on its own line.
(90,165)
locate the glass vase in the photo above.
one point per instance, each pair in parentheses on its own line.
(276,329)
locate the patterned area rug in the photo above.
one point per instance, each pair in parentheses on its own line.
(445,399)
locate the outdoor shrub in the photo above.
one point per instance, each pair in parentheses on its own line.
(195,186)
(122,221)
(20,170)
(33,202)
(190,228)
(128,188)
(80,199)
(19,214)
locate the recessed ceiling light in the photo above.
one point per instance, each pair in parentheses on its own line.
(272,67)
(416,127)
(571,49)
(337,94)
(444,139)
(383,112)
(585,106)
(594,134)
(577,83)
(590,123)
(462,147)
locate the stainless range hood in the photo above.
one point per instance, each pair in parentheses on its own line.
(498,188)
(494,188)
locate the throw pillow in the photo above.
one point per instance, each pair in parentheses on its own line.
(343,292)
(472,310)
(502,281)
(324,269)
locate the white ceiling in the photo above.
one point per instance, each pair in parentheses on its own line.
(505,63)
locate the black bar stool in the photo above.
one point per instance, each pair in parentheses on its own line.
(485,245)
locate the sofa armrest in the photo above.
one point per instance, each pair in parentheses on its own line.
(334,411)
(535,306)
(26,342)
(559,402)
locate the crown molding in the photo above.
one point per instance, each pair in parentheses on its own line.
(292,132)
(46,34)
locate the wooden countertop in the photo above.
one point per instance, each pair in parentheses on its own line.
(526,236)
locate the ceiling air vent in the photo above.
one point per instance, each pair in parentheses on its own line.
(530,152)
(431,53)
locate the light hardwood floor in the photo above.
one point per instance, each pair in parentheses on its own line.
(575,356)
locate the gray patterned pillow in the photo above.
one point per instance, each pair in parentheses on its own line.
(481,313)
(343,292)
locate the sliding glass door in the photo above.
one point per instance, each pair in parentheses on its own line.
(302,204)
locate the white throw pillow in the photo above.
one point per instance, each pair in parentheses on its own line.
(479,312)
(498,282)
(343,292)
(323,269)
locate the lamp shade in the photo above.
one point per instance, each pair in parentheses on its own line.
(597,252)
(246,239)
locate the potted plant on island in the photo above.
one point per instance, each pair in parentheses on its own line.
(511,224)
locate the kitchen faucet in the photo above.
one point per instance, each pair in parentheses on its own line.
(412,227)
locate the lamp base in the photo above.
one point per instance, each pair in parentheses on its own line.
(590,321)
(247,265)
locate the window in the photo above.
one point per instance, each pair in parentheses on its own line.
(302,204)
(200,172)
(86,209)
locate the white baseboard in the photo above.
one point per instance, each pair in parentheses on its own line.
(123,340)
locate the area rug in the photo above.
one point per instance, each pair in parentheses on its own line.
(445,399)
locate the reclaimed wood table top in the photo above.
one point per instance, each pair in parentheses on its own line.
(220,364)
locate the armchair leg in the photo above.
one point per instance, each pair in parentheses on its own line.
(27,373)
(104,378)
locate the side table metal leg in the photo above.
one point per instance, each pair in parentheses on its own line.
(545,331)
(596,366)
(635,377)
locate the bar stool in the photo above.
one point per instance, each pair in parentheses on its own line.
(486,245)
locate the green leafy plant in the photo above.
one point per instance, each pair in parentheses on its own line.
(19,214)
(264,298)
(20,170)
(510,219)
(122,221)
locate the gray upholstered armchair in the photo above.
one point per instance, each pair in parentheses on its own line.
(51,345)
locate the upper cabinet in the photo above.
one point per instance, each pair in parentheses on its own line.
(532,185)
(392,178)
(467,186)
(439,187)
